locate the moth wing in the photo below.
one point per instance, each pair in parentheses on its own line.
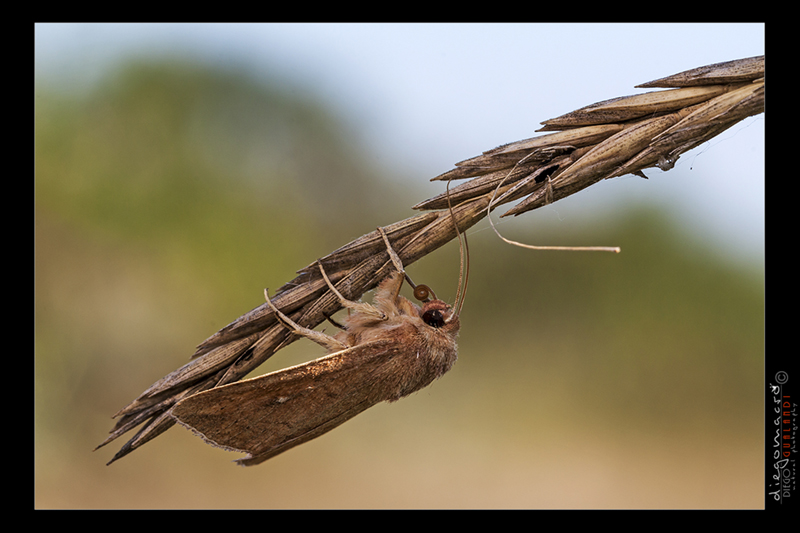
(270,414)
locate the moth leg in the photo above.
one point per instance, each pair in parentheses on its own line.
(358,307)
(326,341)
(330,319)
(398,264)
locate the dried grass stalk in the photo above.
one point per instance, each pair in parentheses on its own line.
(604,140)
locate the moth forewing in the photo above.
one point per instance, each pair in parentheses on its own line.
(395,348)
(270,414)
(390,358)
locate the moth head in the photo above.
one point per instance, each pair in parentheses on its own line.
(440,316)
(433,314)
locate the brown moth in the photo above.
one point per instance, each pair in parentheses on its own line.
(385,351)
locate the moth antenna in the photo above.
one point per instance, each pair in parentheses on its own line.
(463,275)
(614,249)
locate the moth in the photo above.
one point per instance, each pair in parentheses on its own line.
(385,351)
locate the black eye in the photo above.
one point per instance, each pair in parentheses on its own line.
(433,318)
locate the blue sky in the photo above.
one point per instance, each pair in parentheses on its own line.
(423,96)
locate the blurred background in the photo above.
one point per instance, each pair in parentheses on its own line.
(181,169)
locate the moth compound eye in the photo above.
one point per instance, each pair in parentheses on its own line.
(433,318)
